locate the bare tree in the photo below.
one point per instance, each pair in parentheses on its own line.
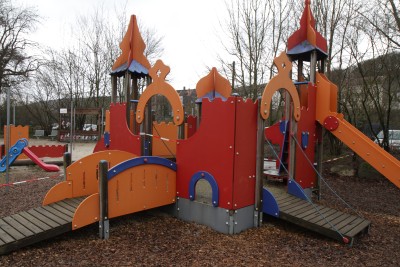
(154,48)
(80,72)
(95,47)
(384,18)
(378,80)
(15,24)
(257,31)
(374,72)
(246,27)
(335,19)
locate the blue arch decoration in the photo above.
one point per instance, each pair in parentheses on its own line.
(210,179)
(140,161)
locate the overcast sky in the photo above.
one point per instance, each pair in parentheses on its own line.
(191,29)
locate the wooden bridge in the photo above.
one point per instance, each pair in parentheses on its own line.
(326,221)
(37,224)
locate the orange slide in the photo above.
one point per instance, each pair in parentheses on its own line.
(372,153)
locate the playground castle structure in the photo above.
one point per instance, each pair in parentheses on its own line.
(222,148)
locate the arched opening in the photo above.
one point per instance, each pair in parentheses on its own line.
(203,191)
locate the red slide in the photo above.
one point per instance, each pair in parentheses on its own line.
(40,163)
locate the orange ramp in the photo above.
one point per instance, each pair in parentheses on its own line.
(372,153)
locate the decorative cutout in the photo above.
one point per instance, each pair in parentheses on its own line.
(211,180)
(159,71)
(160,87)
(280,81)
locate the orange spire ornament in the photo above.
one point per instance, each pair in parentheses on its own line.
(132,56)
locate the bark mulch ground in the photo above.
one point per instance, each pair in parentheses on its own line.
(153,238)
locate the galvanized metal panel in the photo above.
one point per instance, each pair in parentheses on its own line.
(221,220)
(193,211)
(243,219)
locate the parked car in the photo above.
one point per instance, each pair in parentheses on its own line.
(90,127)
(394,138)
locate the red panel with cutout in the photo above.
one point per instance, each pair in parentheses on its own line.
(210,149)
(121,138)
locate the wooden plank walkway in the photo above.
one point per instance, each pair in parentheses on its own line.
(317,218)
(37,224)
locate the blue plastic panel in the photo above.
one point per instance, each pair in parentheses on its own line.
(295,189)
(269,204)
(134,67)
(107,139)
(304,139)
(304,47)
(283,125)
(138,162)
(300,83)
(210,179)
(211,96)
(13,153)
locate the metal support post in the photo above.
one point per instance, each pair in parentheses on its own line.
(148,128)
(101,123)
(198,115)
(292,131)
(114,85)
(320,130)
(313,66)
(259,169)
(14,114)
(128,81)
(181,128)
(292,148)
(104,225)
(142,139)
(320,149)
(71,127)
(8,139)
(66,162)
(135,96)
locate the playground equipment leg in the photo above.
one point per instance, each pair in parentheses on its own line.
(67,161)
(259,170)
(104,225)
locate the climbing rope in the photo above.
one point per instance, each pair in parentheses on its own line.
(323,179)
(345,239)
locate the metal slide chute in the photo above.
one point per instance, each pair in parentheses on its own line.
(372,153)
